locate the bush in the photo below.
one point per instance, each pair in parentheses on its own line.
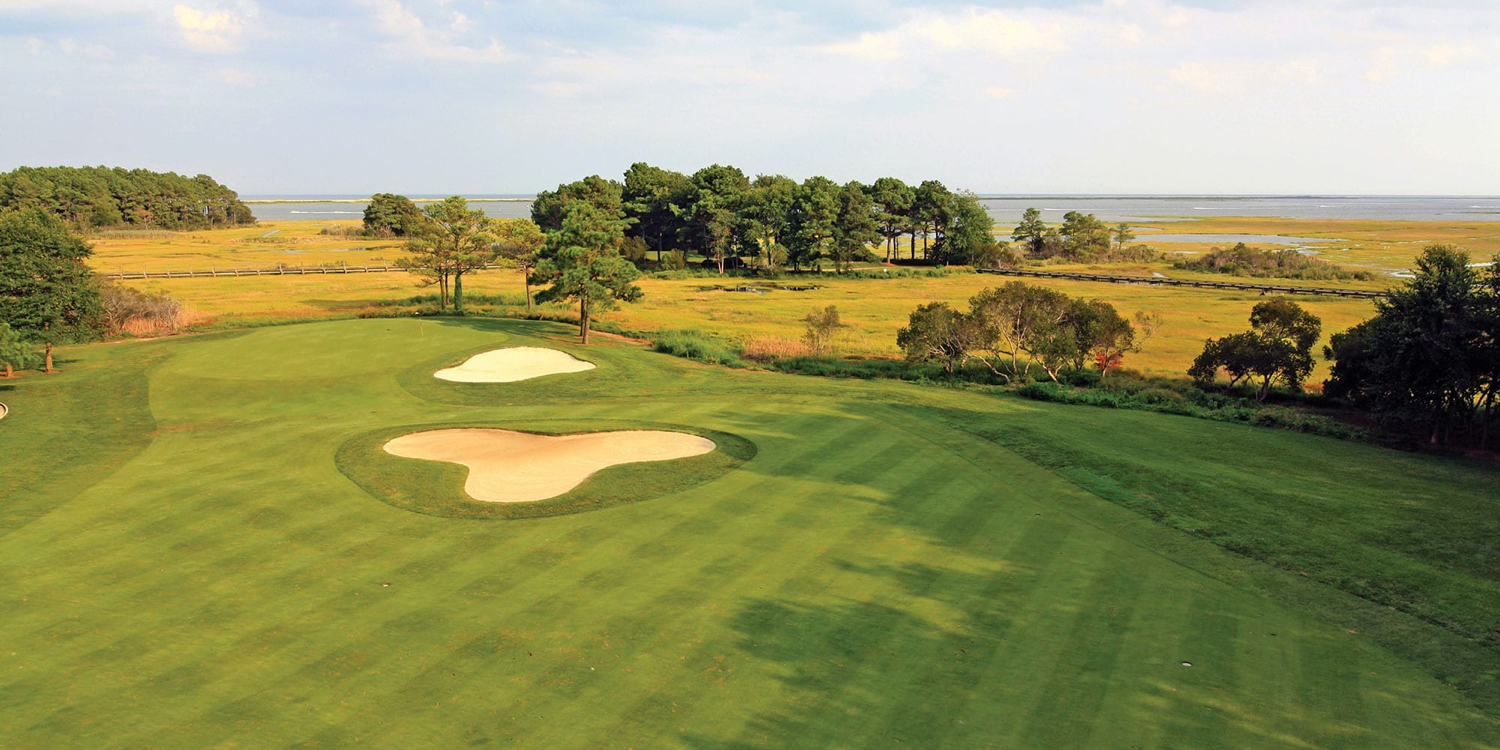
(1047,391)
(1242,260)
(130,310)
(690,344)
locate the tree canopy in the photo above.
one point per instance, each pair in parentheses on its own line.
(580,261)
(391,215)
(450,241)
(102,197)
(1276,349)
(549,207)
(46,291)
(1430,358)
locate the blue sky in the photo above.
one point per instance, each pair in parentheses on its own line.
(438,96)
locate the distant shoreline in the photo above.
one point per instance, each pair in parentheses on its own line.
(260,201)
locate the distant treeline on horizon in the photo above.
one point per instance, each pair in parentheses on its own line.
(91,198)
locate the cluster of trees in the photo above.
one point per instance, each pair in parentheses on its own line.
(48,294)
(772,221)
(1081,237)
(1276,350)
(89,198)
(577,260)
(1012,328)
(1243,260)
(1430,358)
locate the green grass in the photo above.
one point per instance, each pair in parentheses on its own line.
(185,566)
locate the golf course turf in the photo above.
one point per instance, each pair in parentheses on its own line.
(190,558)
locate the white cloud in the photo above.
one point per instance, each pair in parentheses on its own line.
(992,31)
(974,29)
(211,30)
(999,92)
(869,47)
(413,37)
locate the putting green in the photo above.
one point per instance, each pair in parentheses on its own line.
(184,565)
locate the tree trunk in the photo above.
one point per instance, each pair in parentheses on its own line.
(48,367)
(583,320)
(8,372)
(458,292)
(526,277)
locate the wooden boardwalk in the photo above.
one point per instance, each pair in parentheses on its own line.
(277,271)
(1161,281)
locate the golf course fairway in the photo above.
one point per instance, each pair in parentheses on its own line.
(184,564)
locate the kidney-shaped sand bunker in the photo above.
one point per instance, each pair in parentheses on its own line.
(506,466)
(512,364)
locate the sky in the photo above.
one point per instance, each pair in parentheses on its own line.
(1330,97)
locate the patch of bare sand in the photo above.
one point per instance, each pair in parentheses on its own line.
(506,466)
(512,364)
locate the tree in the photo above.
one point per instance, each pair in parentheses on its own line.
(968,233)
(1101,333)
(392,215)
(97,197)
(581,261)
(893,201)
(1085,237)
(1148,322)
(549,206)
(452,241)
(1030,232)
(708,211)
(15,353)
(763,220)
(1277,348)
(937,332)
(854,228)
(931,205)
(516,243)
(811,221)
(46,291)
(822,325)
(1428,358)
(994,254)
(648,195)
(1122,236)
(1015,319)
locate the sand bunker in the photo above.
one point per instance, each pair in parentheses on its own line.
(515,363)
(517,467)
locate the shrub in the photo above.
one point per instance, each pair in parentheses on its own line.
(690,344)
(1242,260)
(129,310)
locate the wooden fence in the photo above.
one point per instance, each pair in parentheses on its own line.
(277,271)
(1161,281)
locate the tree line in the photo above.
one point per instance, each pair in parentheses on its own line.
(90,198)
(770,222)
